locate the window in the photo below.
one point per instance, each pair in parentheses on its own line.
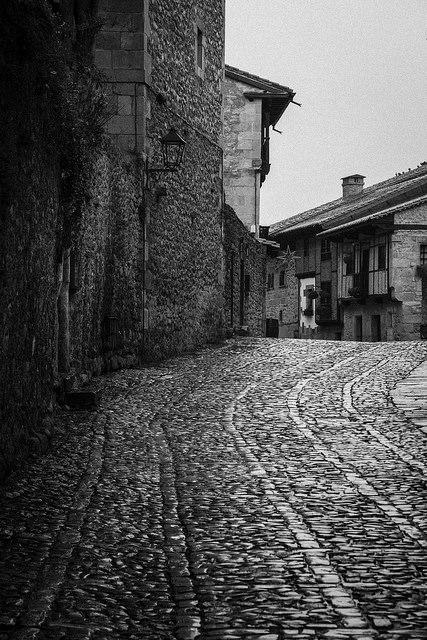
(306,247)
(423,253)
(381,257)
(348,260)
(200,45)
(270,281)
(282,279)
(280,316)
(325,250)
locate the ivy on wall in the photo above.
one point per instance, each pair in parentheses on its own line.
(51,100)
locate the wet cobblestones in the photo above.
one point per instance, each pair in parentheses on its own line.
(267,489)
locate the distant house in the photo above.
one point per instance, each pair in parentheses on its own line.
(354,268)
(252,106)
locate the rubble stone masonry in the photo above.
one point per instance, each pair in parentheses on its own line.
(409,286)
(245,273)
(142,276)
(184,284)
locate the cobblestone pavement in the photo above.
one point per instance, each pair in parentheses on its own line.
(264,490)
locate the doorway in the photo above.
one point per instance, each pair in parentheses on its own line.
(376,328)
(358,331)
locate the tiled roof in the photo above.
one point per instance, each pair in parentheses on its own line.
(374,197)
(255,81)
(409,204)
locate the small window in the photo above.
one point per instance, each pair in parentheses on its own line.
(349,262)
(282,279)
(381,257)
(325,251)
(280,316)
(270,281)
(423,253)
(200,50)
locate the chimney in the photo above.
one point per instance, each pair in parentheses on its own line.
(352,185)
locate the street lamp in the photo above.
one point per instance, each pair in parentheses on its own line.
(173,146)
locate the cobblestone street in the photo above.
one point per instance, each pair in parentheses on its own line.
(260,490)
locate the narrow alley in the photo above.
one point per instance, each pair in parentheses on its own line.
(263,489)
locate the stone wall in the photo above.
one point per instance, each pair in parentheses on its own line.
(245,275)
(242,151)
(184,284)
(106,297)
(407,282)
(282,299)
(121,52)
(389,315)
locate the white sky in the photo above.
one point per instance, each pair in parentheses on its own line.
(359,69)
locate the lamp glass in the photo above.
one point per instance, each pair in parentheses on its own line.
(173,149)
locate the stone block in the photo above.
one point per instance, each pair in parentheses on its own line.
(103,59)
(130,22)
(125,89)
(121,125)
(131,41)
(125,142)
(107,40)
(125,75)
(128,59)
(125,105)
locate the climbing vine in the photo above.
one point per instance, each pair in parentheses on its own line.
(51,100)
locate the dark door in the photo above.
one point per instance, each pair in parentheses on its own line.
(358,333)
(272,328)
(376,328)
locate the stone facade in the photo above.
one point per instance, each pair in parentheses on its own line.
(149,51)
(122,53)
(184,210)
(252,105)
(282,297)
(141,275)
(245,272)
(242,152)
(308,268)
(362,256)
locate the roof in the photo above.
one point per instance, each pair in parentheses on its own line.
(379,214)
(374,198)
(277,95)
(255,81)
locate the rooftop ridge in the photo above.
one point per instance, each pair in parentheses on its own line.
(252,78)
(309,216)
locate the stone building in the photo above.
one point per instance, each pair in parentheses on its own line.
(165,70)
(252,107)
(245,273)
(107,258)
(104,264)
(353,269)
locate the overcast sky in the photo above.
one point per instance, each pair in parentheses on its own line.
(359,69)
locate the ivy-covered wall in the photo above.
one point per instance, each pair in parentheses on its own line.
(71,242)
